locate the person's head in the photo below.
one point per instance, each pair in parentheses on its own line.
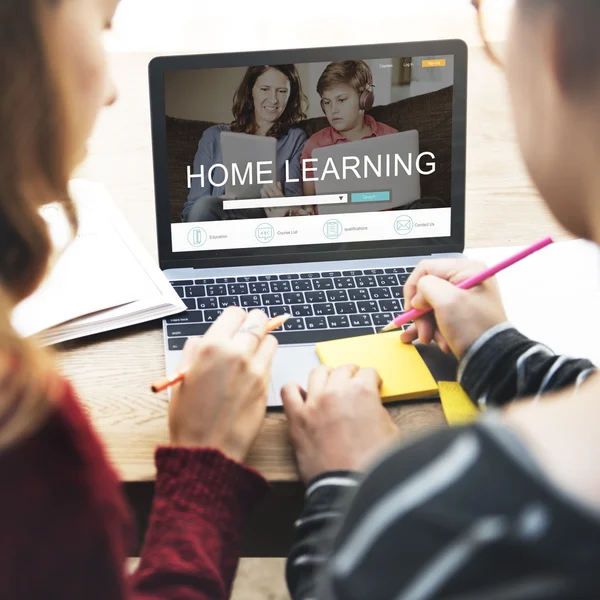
(53,82)
(269,97)
(346,90)
(553,69)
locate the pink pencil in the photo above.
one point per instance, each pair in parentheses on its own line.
(413,314)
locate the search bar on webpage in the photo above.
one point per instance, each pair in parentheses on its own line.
(285,201)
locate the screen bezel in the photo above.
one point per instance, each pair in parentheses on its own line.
(314,252)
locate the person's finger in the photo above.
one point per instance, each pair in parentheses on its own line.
(341,375)
(250,335)
(369,376)
(437,293)
(317,380)
(293,403)
(440,340)
(426,329)
(409,335)
(263,357)
(227,325)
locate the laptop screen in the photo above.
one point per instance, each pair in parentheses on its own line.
(309,154)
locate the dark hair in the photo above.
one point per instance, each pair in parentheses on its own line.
(243,103)
(355,73)
(578,23)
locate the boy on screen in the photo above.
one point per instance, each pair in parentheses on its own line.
(346,91)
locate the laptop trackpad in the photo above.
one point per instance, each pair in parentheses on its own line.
(291,363)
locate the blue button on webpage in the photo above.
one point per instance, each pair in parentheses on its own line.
(370,197)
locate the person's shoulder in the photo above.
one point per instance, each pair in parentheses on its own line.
(297,134)
(318,140)
(214,131)
(384,129)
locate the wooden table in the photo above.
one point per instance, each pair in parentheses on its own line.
(112,371)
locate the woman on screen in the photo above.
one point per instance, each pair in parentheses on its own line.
(268,102)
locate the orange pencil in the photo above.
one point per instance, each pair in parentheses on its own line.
(163,384)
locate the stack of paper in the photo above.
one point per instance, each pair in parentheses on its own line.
(104,279)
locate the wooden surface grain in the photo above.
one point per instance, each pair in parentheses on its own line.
(112,372)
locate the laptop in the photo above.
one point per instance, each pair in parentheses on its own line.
(339,275)
(398,184)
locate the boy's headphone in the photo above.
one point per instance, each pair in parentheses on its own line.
(366,98)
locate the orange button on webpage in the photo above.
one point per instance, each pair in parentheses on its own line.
(437,62)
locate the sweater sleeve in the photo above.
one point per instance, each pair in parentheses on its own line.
(192,545)
(504,365)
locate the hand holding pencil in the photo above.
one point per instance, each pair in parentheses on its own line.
(459,316)
(221,402)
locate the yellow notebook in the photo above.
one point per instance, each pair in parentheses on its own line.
(404,373)
(458,407)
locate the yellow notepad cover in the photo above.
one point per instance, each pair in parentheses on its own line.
(458,407)
(404,373)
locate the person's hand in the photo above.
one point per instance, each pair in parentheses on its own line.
(460,316)
(272,190)
(227,197)
(222,400)
(339,423)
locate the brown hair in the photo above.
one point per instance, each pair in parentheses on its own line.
(243,103)
(579,51)
(355,73)
(33,172)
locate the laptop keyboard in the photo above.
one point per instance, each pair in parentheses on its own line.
(324,305)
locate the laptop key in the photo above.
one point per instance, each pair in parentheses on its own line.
(373,271)
(380,293)
(272,299)
(359,294)
(193,291)
(280,286)
(323,284)
(225,301)
(212,315)
(342,283)
(215,290)
(246,279)
(345,308)
(338,321)
(410,269)
(402,279)
(302,310)
(204,281)
(396,270)
(289,276)
(262,287)
(331,274)
(397,292)
(337,296)
(182,283)
(177,343)
(354,273)
(360,321)
(187,330)
(190,316)
(387,280)
(302,285)
(294,325)
(226,280)
(190,303)
(294,298)
(381,319)
(268,277)
(250,301)
(324,309)
(237,289)
(208,302)
(179,291)
(317,323)
(309,275)
(392,305)
(366,281)
(367,307)
(314,297)
(277,311)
